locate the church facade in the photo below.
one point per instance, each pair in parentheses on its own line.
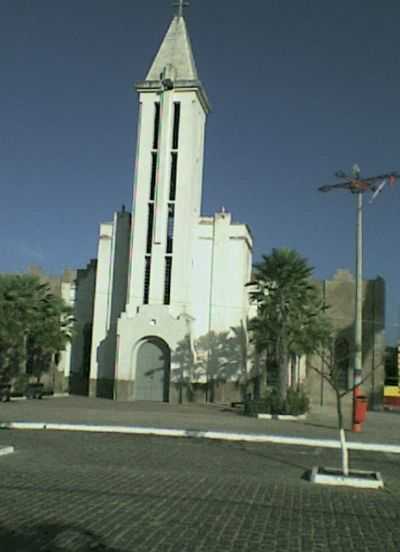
(169,282)
(162,314)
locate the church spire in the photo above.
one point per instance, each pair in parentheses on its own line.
(174,61)
(176,50)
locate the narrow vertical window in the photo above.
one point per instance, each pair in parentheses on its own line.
(150,222)
(174,167)
(167,280)
(170,227)
(146,291)
(153,175)
(177,118)
(342,362)
(156,125)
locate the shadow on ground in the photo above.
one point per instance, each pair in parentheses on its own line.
(52,538)
(278,458)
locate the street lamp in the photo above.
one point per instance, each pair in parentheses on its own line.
(358,186)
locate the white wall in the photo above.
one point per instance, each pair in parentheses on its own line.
(102,293)
(68,295)
(221,268)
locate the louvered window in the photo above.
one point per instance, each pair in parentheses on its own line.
(147,269)
(153,175)
(156,132)
(167,280)
(174,166)
(177,118)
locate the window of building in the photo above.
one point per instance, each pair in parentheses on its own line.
(153,175)
(150,224)
(342,362)
(156,132)
(147,268)
(167,280)
(170,227)
(177,117)
(174,167)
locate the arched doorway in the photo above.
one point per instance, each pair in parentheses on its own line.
(153,365)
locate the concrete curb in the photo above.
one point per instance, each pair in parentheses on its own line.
(357,478)
(6,450)
(45,397)
(284,417)
(200,434)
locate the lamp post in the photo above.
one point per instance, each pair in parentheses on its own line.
(358,186)
(356,425)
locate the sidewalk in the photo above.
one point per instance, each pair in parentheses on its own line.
(380,427)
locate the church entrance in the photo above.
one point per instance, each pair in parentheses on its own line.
(153,365)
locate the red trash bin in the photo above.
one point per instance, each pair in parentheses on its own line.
(360,411)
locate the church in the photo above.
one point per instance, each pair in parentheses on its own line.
(161,315)
(168,287)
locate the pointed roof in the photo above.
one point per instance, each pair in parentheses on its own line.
(175,49)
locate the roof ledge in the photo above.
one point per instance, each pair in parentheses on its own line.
(187,85)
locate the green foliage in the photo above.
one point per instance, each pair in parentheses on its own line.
(34,325)
(290,312)
(295,403)
(20,383)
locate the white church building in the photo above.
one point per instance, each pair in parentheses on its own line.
(169,287)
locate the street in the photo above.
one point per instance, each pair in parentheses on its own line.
(114,493)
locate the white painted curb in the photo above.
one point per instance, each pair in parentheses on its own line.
(349,481)
(199,434)
(286,417)
(6,450)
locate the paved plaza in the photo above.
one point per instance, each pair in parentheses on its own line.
(381,427)
(63,491)
(83,492)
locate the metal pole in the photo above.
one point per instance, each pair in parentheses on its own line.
(358,309)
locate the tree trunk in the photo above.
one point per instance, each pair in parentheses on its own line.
(283,369)
(343,445)
(180,390)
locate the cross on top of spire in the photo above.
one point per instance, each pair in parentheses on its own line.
(180,5)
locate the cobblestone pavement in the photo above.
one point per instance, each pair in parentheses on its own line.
(112,493)
(381,427)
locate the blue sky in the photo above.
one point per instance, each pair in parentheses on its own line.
(299,89)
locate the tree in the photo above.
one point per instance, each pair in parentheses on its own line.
(290,313)
(183,362)
(332,358)
(34,325)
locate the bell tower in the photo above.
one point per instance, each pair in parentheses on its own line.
(173,107)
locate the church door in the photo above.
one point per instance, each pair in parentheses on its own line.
(153,366)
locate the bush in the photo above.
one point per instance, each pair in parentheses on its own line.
(19,384)
(296,403)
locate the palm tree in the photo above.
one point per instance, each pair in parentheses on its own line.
(289,317)
(34,325)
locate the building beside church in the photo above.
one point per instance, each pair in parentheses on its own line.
(339,293)
(167,276)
